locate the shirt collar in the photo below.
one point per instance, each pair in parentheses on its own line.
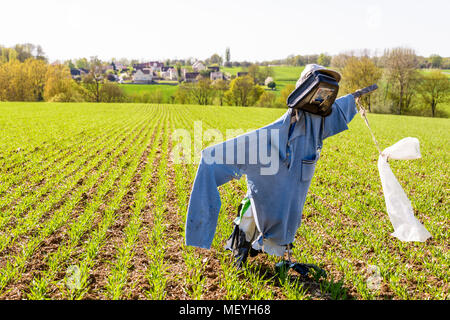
(299,130)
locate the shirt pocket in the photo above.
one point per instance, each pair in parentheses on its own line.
(308,167)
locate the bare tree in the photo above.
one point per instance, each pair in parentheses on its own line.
(93,80)
(402,75)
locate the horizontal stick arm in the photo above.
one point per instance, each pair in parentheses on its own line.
(366,90)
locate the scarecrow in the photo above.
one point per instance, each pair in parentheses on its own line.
(279,161)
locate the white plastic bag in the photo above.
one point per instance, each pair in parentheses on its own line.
(406,226)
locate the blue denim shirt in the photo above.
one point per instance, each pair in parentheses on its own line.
(277,196)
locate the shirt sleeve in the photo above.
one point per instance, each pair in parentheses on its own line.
(204,203)
(343,111)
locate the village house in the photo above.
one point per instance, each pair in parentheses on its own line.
(216,75)
(169,73)
(124,77)
(77,73)
(154,65)
(198,66)
(214,68)
(268,80)
(143,76)
(190,76)
(119,66)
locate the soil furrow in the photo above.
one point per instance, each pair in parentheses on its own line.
(100,272)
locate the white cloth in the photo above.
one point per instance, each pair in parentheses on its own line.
(406,226)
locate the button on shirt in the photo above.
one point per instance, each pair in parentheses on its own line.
(278,188)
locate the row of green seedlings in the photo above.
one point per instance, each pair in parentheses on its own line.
(155,249)
(60,185)
(57,176)
(96,170)
(98,239)
(195,281)
(118,277)
(110,192)
(31,172)
(31,175)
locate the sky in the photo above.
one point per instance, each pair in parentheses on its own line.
(254,30)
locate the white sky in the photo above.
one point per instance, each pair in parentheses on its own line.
(255,30)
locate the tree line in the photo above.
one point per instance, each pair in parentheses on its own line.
(403,87)
(26,75)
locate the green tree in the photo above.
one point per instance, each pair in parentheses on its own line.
(13,81)
(272,85)
(220,86)
(69,64)
(214,59)
(82,63)
(284,94)
(434,88)
(7,54)
(24,51)
(227,57)
(259,74)
(178,68)
(338,61)
(181,96)
(253,71)
(36,70)
(111,92)
(324,60)
(93,80)
(359,73)
(22,81)
(435,60)
(201,92)
(59,86)
(267,100)
(243,92)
